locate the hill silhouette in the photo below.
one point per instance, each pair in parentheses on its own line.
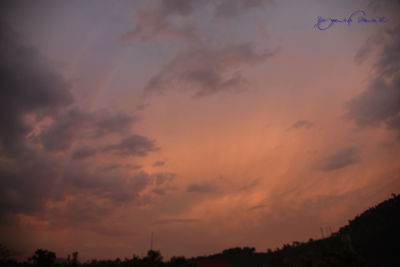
(370,239)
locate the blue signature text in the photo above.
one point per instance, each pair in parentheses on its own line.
(359,16)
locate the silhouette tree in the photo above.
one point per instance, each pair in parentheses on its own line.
(153,258)
(5,254)
(72,262)
(43,258)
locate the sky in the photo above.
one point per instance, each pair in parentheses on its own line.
(212,124)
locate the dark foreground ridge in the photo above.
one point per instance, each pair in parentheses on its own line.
(370,239)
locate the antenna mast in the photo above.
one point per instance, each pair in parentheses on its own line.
(151,241)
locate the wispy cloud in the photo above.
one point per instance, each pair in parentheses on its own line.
(134,145)
(200,188)
(176,221)
(341,158)
(208,70)
(302,124)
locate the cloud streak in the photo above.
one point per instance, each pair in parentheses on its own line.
(341,159)
(302,124)
(208,71)
(177,221)
(162,19)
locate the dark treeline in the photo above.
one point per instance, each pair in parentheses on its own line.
(370,239)
(46,258)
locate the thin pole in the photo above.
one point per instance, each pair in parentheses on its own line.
(151,241)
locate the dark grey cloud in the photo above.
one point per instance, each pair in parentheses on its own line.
(379,37)
(121,188)
(341,159)
(80,210)
(60,134)
(366,49)
(200,188)
(76,124)
(207,71)
(105,121)
(158,163)
(388,63)
(257,207)
(26,188)
(134,166)
(380,102)
(84,152)
(116,166)
(87,196)
(162,178)
(134,145)
(302,124)
(394,122)
(31,176)
(25,184)
(30,86)
(111,167)
(162,183)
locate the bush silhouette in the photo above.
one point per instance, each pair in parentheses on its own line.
(43,258)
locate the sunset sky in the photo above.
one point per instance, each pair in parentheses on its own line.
(213,124)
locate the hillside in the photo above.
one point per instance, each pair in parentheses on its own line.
(370,239)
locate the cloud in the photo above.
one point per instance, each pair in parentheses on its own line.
(134,145)
(104,122)
(200,188)
(155,20)
(80,210)
(84,152)
(302,124)
(111,167)
(28,188)
(24,183)
(207,71)
(38,116)
(118,189)
(159,19)
(30,86)
(233,8)
(158,163)
(121,188)
(380,102)
(366,49)
(341,159)
(198,67)
(176,220)
(394,122)
(389,62)
(77,124)
(257,207)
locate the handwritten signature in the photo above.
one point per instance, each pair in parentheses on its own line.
(325,24)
